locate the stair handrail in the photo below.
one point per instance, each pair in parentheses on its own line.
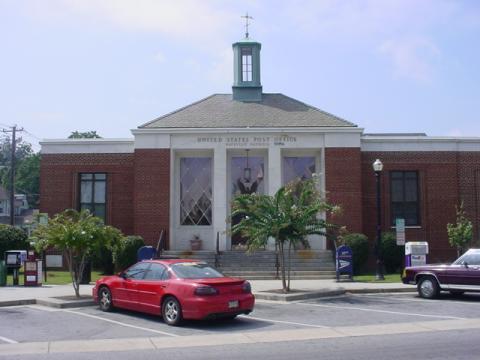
(161,244)
(217,250)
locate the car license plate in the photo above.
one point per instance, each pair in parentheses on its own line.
(233,304)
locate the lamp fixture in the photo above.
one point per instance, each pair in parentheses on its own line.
(247,171)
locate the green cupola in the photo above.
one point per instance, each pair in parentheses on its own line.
(246,70)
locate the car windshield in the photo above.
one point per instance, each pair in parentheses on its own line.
(470,258)
(193,270)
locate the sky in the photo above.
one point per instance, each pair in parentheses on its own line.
(112,65)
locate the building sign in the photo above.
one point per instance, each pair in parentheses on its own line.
(400,228)
(248,141)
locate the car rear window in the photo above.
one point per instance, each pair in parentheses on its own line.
(193,270)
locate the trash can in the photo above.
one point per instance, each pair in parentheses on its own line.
(87,273)
(3,273)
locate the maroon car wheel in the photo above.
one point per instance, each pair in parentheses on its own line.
(172,311)
(428,287)
(105,299)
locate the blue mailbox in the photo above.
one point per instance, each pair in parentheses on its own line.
(146,253)
(344,261)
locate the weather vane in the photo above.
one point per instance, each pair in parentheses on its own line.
(247,17)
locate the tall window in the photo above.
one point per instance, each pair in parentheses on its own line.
(93,193)
(196,191)
(298,167)
(404,197)
(246,64)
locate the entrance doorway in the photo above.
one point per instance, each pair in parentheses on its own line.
(247,176)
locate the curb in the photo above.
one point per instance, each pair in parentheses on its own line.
(382,290)
(17,302)
(265,295)
(65,304)
(51,302)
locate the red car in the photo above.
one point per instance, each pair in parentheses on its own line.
(177,289)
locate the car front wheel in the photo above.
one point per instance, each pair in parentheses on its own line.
(172,311)
(428,287)
(105,299)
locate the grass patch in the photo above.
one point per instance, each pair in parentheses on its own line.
(54,277)
(389,278)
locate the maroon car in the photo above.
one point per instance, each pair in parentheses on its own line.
(460,276)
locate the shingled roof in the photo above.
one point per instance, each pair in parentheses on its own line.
(220,111)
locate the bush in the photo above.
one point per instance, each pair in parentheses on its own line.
(126,255)
(102,260)
(393,255)
(12,238)
(359,245)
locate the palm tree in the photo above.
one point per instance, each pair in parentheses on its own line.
(296,210)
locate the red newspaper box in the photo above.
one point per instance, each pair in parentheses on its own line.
(32,270)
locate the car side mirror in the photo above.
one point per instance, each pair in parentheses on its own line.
(123,275)
(465,264)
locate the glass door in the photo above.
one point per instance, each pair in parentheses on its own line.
(247,177)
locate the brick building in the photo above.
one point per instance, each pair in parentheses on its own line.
(180,171)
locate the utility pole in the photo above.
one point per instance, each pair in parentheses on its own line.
(12,172)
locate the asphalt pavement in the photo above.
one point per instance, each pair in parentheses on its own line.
(362,314)
(40,330)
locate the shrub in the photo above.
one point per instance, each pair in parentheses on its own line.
(103,260)
(126,254)
(359,245)
(393,255)
(12,238)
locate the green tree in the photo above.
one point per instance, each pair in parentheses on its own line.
(84,135)
(460,234)
(78,235)
(28,179)
(294,212)
(27,168)
(12,238)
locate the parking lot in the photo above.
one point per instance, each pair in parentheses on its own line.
(34,323)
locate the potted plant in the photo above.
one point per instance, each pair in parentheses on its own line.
(196,243)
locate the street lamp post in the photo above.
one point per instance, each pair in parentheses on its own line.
(377,168)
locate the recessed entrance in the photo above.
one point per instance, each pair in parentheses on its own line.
(247,176)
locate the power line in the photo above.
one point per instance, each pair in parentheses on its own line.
(32,135)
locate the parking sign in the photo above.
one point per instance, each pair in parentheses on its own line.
(400,227)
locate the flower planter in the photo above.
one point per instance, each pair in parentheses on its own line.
(196,244)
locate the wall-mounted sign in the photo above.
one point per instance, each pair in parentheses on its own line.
(248,141)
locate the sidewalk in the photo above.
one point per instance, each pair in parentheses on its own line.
(263,289)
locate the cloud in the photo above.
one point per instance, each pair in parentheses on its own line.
(188,19)
(360,18)
(411,58)
(159,57)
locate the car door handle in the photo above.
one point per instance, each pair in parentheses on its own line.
(163,286)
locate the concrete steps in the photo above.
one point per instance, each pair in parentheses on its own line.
(261,265)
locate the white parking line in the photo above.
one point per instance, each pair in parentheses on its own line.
(120,323)
(377,296)
(380,311)
(285,322)
(114,322)
(7,340)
